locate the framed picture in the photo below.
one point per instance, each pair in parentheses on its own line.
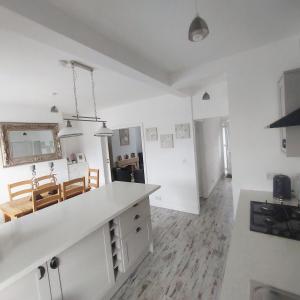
(124,137)
(80,157)
(166,141)
(151,134)
(183,131)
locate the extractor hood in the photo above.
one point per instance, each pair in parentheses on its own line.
(292,119)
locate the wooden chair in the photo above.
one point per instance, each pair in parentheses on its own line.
(52,196)
(93,179)
(73,188)
(20,190)
(45,181)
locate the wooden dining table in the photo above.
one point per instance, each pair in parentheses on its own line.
(21,207)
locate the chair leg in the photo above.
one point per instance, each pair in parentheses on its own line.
(6,218)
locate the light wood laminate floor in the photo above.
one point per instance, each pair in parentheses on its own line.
(189,252)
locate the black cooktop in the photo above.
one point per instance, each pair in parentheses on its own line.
(276,219)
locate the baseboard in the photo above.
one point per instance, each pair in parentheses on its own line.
(174,207)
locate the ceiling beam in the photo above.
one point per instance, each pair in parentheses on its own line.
(41,21)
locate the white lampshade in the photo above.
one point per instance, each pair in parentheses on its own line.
(103,131)
(69,131)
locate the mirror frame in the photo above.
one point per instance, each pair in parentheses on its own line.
(9,161)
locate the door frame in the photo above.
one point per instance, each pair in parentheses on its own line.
(141,125)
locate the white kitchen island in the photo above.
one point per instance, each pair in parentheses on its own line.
(259,259)
(81,248)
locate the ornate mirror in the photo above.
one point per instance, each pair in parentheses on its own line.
(23,143)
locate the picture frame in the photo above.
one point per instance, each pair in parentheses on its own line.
(80,157)
(183,131)
(124,137)
(166,141)
(151,134)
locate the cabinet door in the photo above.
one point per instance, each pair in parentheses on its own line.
(137,242)
(33,286)
(84,271)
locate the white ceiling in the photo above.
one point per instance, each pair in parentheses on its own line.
(157,29)
(30,72)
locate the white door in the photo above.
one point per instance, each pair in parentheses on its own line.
(33,286)
(83,271)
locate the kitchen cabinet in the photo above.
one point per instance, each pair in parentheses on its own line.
(34,286)
(77,170)
(83,270)
(84,248)
(136,242)
(289,95)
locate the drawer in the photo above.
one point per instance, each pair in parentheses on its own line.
(136,242)
(128,220)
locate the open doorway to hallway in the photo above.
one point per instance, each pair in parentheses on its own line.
(226,148)
(126,155)
(212,153)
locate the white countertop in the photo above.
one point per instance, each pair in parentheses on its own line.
(30,241)
(255,256)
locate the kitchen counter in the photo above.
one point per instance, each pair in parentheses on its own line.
(28,242)
(268,259)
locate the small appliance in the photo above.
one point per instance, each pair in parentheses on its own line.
(282,187)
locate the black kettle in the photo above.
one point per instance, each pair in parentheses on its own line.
(282,187)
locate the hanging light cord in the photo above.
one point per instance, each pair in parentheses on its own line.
(196,7)
(93,93)
(78,117)
(75,90)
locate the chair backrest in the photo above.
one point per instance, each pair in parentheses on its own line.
(139,176)
(45,181)
(123,175)
(45,196)
(20,189)
(73,187)
(93,178)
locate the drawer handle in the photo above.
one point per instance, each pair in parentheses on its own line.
(42,272)
(138,229)
(136,217)
(135,205)
(54,263)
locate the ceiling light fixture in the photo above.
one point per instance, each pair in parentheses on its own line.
(206,96)
(69,131)
(103,131)
(198,29)
(54,109)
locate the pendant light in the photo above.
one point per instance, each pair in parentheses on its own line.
(69,131)
(198,29)
(206,96)
(103,131)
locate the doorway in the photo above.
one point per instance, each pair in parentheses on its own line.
(210,156)
(226,148)
(126,155)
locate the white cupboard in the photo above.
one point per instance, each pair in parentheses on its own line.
(95,266)
(33,286)
(82,271)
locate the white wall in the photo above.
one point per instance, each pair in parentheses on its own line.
(91,147)
(208,137)
(174,169)
(135,143)
(253,103)
(215,107)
